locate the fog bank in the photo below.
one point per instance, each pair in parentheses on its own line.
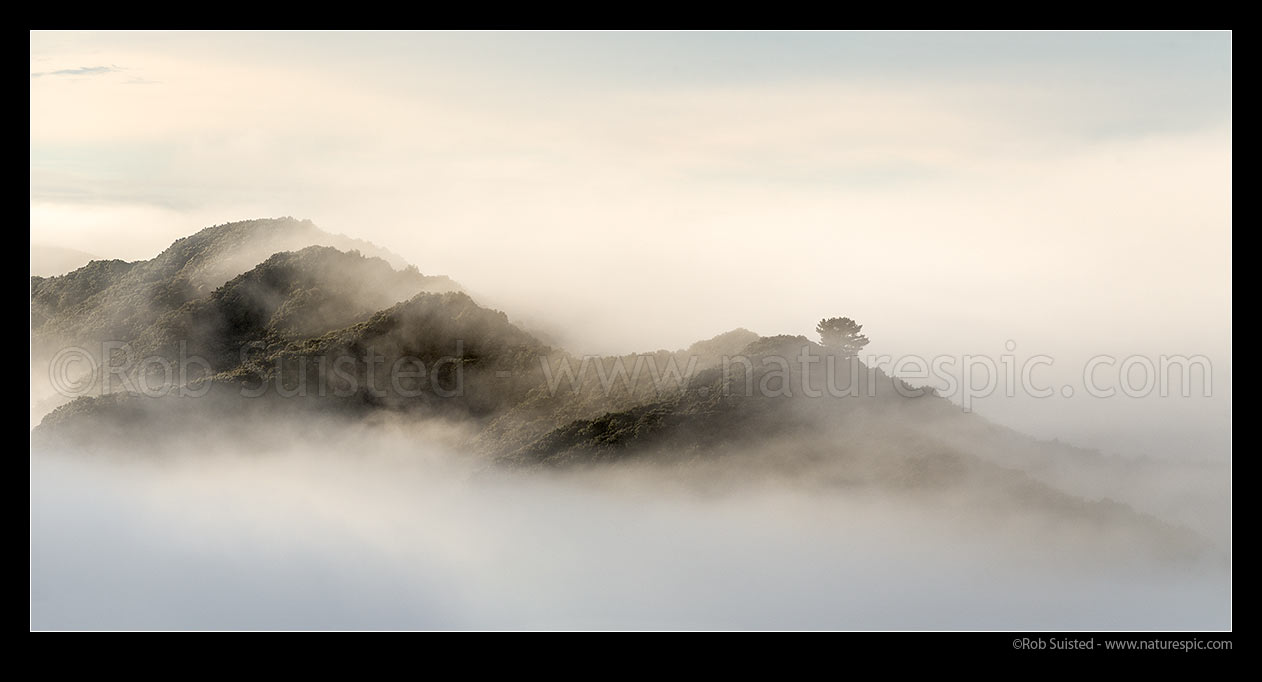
(348,541)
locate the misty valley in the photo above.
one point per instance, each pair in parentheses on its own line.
(267,425)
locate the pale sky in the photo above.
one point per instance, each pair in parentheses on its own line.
(634,191)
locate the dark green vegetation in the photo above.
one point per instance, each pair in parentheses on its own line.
(288,333)
(118,301)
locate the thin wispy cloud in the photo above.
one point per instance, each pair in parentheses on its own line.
(79,71)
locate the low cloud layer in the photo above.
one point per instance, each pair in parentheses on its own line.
(343,540)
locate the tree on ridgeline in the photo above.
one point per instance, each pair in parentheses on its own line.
(841,334)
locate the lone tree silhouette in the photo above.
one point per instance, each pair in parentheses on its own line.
(842,335)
